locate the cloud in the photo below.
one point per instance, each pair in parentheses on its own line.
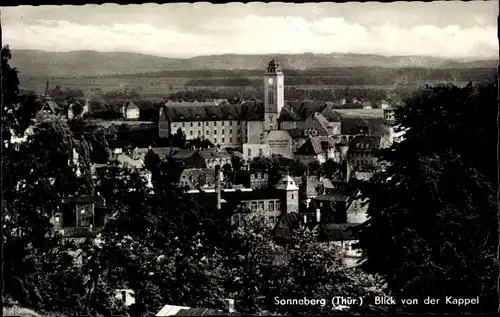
(256,34)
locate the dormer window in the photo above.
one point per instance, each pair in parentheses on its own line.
(182,117)
(197,117)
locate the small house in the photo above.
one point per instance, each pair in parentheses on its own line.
(130,111)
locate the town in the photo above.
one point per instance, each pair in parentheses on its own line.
(303,189)
(322,152)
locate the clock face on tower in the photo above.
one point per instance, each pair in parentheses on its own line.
(270,81)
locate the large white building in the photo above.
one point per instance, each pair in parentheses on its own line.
(232,125)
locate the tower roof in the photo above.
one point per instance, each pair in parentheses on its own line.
(287,183)
(273,66)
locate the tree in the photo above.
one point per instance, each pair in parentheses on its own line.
(436,190)
(259,271)
(329,168)
(179,139)
(160,245)
(227,169)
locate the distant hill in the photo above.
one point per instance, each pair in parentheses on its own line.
(92,63)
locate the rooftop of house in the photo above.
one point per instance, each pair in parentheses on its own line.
(243,111)
(287,183)
(184,154)
(52,105)
(361,113)
(214,153)
(322,120)
(331,115)
(163,152)
(365,143)
(315,145)
(170,310)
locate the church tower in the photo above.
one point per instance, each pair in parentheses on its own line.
(274,95)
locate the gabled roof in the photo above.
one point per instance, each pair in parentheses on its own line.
(312,146)
(52,105)
(130,104)
(287,183)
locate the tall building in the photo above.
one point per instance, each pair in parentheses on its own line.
(274,95)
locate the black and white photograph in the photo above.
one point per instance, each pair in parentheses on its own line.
(250,159)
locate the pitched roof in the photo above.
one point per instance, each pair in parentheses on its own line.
(184,154)
(361,113)
(163,152)
(130,104)
(287,183)
(322,121)
(333,196)
(297,133)
(331,115)
(52,105)
(362,143)
(288,114)
(315,145)
(211,111)
(214,153)
(303,109)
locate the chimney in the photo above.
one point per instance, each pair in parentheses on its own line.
(305,218)
(318,215)
(218,185)
(229,305)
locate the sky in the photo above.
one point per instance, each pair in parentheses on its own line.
(451,29)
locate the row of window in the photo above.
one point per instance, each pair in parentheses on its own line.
(223,140)
(207,132)
(261,205)
(207,123)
